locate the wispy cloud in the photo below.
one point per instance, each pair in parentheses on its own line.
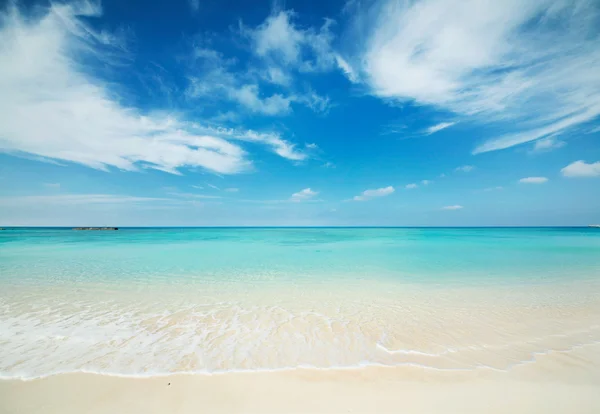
(438,127)
(533,180)
(465,168)
(581,169)
(548,144)
(218,78)
(304,195)
(497,188)
(426,182)
(192,195)
(530,65)
(454,207)
(231,190)
(411,186)
(379,192)
(348,70)
(283,44)
(282,49)
(55,109)
(76,199)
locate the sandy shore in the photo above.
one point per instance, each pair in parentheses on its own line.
(369,390)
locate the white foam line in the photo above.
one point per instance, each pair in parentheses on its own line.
(413,352)
(486,347)
(240,371)
(359,366)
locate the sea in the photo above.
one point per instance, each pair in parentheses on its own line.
(159,301)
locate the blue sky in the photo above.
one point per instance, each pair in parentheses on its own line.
(406,113)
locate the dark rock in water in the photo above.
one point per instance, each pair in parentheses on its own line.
(95,228)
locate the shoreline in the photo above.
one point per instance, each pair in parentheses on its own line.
(366,366)
(367,390)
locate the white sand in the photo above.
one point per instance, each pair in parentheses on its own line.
(551,385)
(541,349)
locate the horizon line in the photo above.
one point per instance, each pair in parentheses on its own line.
(297,227)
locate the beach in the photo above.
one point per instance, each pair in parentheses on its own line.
(381,390)
(300,320)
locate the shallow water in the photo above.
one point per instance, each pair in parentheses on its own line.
(157,301)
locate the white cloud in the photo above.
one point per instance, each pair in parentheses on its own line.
(465,168)
(278,76)
(532,63)
(347,69)
(303,195)
(379,192)
(231,190)
(214,77)
(248,96)
(278,145)
(555,128)
(410,186)
(548,144)
(533,180)
(497,188)
(279,40)
(75,199)
(314,101)
(454,207)
(438,127)
(54,109)
(426,182)
(582,169)
(311,145)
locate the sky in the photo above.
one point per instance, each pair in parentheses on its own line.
(300,113)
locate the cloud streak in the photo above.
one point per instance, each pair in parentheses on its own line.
(438,127)
(533,180)
(77,199)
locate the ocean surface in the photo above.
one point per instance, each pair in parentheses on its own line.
(155,301)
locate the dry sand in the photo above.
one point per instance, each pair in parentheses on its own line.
(367,390)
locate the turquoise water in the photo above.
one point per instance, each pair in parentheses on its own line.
(472,255)
(157,301)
